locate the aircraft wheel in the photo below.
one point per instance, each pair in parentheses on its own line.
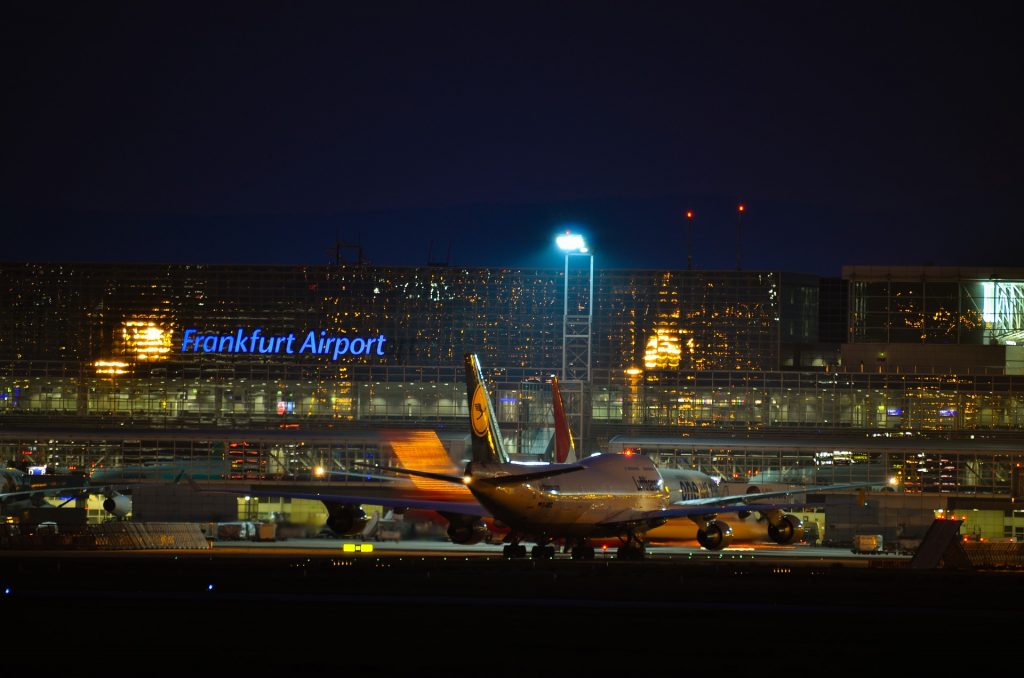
(511,551)
(539,552)
(630,552)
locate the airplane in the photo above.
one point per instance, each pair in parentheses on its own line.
(116,481)
(712,531)
(20,491)
(605,495)
(600,496)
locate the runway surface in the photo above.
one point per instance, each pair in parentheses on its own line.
(434,608)
(436,548)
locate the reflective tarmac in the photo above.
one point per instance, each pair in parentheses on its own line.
(429,608)
(434,548)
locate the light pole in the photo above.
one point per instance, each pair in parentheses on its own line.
(689,240)
(576,326)
(739,231)
(576,330)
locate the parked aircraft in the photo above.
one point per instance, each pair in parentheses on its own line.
(20,491)
(116,481)
(713,531)
(603,495)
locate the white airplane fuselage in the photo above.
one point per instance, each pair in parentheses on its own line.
(576,504)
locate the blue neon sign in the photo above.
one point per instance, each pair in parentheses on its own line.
(314,343)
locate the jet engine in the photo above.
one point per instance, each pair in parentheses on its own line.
(467,531)
(346,519)
(715,536)
(119,505)
(788,530)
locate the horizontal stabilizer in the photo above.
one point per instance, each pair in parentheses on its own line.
(397,501)
(459,480)
(740,498)
(525,477)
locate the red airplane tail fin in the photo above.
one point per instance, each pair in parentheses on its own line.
(565,449)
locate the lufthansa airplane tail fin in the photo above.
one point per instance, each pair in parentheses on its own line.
(487,445)
(565,448)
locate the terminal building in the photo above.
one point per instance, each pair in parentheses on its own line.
(911,379)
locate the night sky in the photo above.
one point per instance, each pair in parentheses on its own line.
(262,132)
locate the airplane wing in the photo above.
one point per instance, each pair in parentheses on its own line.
(458,480)
(523,477)
(358,476)
(57,491)
(92,488)
(678,511)
(465,480)
(469,508)
(633,518)
(712,505)
(740,498)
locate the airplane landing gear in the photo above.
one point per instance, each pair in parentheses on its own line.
(632,549)
(542,552)
(582,552)
(631,552)
(514,551)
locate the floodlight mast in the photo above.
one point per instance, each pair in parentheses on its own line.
(577,321)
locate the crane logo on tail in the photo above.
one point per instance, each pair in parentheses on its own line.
(478,411)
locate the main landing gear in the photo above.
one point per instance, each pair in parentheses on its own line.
(514,550)
(632,549)
(540,552)
(583,552)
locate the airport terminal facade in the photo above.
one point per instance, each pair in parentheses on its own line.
(275,369)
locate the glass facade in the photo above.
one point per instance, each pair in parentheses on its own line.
(937,306)
(100,347)
(686,320)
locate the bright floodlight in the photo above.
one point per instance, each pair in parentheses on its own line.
(571,242)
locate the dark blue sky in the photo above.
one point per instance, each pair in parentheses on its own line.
(258,132)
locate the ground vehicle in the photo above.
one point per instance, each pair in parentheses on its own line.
(236,530)
(47,527)
(867,543)
(387,530)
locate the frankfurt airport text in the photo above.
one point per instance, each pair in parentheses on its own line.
(253,342)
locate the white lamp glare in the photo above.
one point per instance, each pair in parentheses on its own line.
(571,242)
